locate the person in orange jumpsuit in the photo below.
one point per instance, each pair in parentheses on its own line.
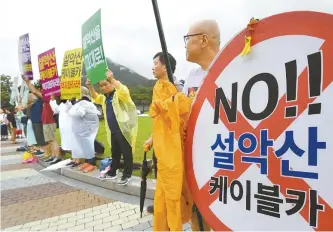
(169,112)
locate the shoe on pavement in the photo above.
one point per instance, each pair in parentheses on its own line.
(22,149)
(108,177)
(150,209)
(74,164)
(83,166)
(39,153)
(50,159)
(39,156)
(70,164)
(124,180)
(56,160)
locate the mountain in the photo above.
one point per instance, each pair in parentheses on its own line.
(125,75)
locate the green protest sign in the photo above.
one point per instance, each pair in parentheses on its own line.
(93,52)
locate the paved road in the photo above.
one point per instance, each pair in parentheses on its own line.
(35,201)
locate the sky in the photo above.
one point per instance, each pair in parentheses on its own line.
(129,30)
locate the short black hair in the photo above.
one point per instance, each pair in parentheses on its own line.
(172,60)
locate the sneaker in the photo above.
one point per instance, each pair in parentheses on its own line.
(50,159)
(74,165)
(39,153)
(39,156)
(22,149)
(124,181)
(56,160)
(70,164)
(150,209)
(108,177)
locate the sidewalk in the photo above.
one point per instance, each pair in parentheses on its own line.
(46,201)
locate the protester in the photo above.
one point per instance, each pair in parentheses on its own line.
(169,112)
(12,125)
(202,44)
(4,122)
(121,124)
(65,122)
(19,126)
(24,121)
(85,123)
(179,87)
(45,125)
(31,140)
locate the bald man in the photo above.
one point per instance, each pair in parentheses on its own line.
(202,44)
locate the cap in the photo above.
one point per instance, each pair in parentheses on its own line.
(85,92)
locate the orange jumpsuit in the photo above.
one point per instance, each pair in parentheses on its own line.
(169,112)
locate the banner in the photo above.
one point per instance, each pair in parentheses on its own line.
(94,59)
(71,74)
(49,74)
(259,142)
(25,56)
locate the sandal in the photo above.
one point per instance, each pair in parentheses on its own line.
(74,165)
(90,168)
(83,166)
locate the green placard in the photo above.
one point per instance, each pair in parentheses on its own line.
(93,52)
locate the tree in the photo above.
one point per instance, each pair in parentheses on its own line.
(6,85)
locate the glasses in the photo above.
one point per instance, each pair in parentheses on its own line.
(187,37)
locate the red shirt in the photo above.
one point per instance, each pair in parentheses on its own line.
(47,114)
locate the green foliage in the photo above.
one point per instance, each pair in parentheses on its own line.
(141,94)
(6,85)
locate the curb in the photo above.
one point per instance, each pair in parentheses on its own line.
(133,187)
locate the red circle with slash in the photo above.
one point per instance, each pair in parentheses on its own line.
(315,24)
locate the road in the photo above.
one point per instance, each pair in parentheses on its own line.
(45,201)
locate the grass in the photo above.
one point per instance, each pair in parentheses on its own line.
(145,128)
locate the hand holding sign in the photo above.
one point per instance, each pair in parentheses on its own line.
(109,76)
(88,83)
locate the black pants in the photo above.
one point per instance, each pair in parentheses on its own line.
(119,145)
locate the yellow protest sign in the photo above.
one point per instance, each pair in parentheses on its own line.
(71,74)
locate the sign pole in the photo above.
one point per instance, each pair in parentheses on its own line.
(162,39)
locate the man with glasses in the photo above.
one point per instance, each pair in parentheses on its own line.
(202,44)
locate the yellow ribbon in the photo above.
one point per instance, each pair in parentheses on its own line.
(247,47)
(248,37)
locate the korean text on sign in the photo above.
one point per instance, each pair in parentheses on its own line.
(49,74)
(71,74)
(25,56)
(249,144)
(93,52)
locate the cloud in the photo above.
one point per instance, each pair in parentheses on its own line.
(130,34)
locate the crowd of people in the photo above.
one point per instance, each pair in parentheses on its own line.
(169,110)
(13,124)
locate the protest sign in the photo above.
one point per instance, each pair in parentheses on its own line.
(71,74)
(25,56)
(93,53)
(260,135)
(49,74)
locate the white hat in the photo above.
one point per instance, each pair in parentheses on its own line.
(85,92)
